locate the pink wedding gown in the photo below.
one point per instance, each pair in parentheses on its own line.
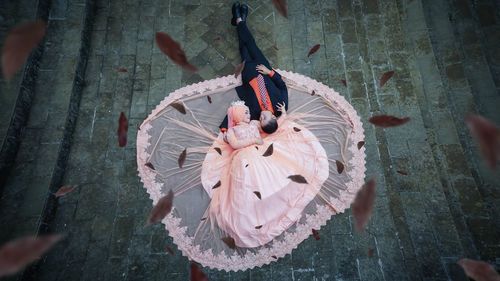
(245,174)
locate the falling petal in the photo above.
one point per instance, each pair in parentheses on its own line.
(340,166)
(313,50)
(386,77)
(402,172)
(218,38)
(197,274)
(280,5)
(182,158)
(16,254)
(388,121)
(298,178)
(239,69)
(362,206)
(370,252)
(274,257)
(229,242)
(209,99)
(179,107)
(217,185)
(313,93)
(202,219)
(257,193)
(276,48)
(122,70)
(488,136)
(122,130)
(18,45)
(150,165)
(344,82)
(170,251)
(296,129)
(65,189)
(218,150)
(173,50)
(478,270)
(360,144)
(315,234)
(138,127)
(162,208)
(258,227)
(269,151)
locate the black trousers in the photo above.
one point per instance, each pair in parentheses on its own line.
(250,53)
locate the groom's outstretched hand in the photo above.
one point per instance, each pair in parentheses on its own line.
(262,69)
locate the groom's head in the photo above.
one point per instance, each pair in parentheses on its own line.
(268,122)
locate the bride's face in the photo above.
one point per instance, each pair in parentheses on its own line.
(246,119)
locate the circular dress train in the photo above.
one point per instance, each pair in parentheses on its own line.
(237,209)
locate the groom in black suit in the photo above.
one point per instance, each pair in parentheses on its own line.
(263,89)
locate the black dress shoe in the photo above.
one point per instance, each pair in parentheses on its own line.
(244,12)
(236,12)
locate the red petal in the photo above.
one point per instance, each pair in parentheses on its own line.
(478,270)
(488,136)
(218,150)
(65,189)
(269,151)
(370,252)
(257,193)
(150,165)
(362,206)
(229,242)
(313,50)
(122,130)
(170,251)
(239,69)
(218,38)
(298,178)
(340,166)
(182,158)
(138,127)
(218,184)
(162,208)
(18,253)
(18,45)
(344,82)
(280,5)
(276,48)
(388,121)
(173,50)
(402,172)
(316,234)
(360,144)
(209,99)
(197,274)
(122,70)
(386,77)
(179,106)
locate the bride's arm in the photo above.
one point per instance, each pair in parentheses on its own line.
(239,143)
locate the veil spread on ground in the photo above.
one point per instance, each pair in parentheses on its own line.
(166,133)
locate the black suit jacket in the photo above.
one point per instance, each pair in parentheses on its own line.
(276,89)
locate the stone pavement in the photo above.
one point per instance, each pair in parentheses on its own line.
(447,65)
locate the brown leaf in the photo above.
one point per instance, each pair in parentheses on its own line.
(150,165)
(18,45)
(276,48)
(218,38)
(209,99)
(258,227)
(122,130)
(162,208)
(388,121)
(344,82)
(488,137)
(197,274)
(402,172)
(217,185)
(173,50)
(18,253)
(298,178)
(122,70)
(386,77)
(182,158)
(257,193)
(269,151)
(170,251)
(239,69)
(296,129)
(65,189)
(229,242)
(179,107)
(478,270)
(313,50)
(362,206)
(218,150)
(360,144)
(274,257)
(370,252)
(340,166)
(280,5)
(315,234)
